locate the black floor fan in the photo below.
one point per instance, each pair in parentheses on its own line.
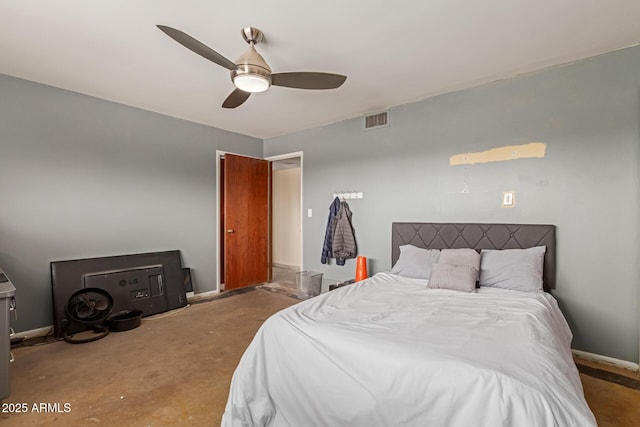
(87,309)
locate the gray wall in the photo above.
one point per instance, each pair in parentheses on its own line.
(587,184)
(81,177)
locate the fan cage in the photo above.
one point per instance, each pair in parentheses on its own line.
(90,299)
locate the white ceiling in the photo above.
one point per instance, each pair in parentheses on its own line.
(393,52)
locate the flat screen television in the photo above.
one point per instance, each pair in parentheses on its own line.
(151,282)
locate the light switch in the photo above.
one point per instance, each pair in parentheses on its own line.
(508,199)
(309,213)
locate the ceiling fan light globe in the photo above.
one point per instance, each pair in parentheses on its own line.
(251,82)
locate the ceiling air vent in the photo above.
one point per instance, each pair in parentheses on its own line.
(376,120)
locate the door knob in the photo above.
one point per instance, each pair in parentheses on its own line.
(230,231)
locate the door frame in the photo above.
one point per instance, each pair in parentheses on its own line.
(219,155)
(293,155)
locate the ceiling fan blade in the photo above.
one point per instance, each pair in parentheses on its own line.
(306,80)
(236,99)
(198,47)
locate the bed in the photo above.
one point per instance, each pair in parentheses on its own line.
(395,350)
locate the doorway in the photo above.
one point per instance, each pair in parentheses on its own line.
(286,220)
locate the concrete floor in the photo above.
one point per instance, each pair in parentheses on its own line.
(612,404)
(285,277)
(175,369)
(172,370)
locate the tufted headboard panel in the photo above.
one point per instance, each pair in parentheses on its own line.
(431,235)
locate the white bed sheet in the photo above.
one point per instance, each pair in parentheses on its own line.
(388,351)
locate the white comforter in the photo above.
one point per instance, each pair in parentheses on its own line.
(390,352)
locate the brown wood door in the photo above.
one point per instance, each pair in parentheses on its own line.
(246,221)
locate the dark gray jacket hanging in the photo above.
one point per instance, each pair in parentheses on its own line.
(328,234)
(344,241)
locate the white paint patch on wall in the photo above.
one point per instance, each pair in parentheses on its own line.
(500,154)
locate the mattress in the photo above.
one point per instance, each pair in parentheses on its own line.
(388,351)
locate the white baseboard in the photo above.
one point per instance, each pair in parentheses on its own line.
(195,297)
(45,330)
(607,360)
(286,266)
(32,333)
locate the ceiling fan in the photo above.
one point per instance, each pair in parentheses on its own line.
(250,73)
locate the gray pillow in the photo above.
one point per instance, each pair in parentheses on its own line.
(455,277)
(515,269)
(415,262)
(465,256)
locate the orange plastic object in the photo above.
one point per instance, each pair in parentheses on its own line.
(361,268)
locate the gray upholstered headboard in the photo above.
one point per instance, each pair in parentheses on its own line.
(431,235)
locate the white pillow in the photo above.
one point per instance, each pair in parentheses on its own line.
(458,277)
(463,256)
(415,262)
(515,269)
